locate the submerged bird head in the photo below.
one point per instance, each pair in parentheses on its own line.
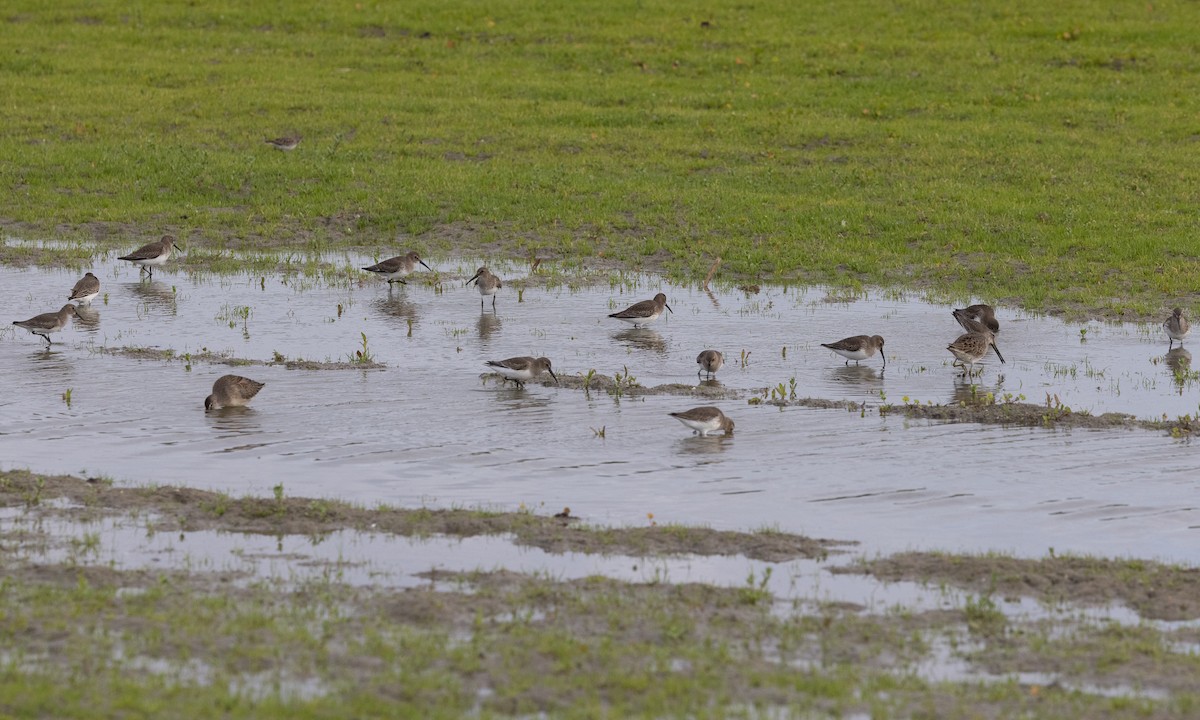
(210,403)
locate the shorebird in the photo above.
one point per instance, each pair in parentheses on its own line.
(970,348)
(981,314)
(231,391)
(1177,327)
(394,269)
(286,143)
(704,420)
(487,284)
(644,312)
(47,323)
(858,348)
(151,255)
(86,289)
(710,361)
(521,369)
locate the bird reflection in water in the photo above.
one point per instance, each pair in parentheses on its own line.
(1179,361)
(488,323)
(154,294)
(87,318)
(642,339)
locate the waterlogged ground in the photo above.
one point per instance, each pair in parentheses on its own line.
(425,429)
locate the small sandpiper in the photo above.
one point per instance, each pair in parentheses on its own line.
(1177,327)
(705,420)
(86,289)
(47,323)
(286,143)
(710,361)
(231,391)
(970,348)
(644,312)
(487,284)
(522,369)
(981,314)
(151,255)
(858,348)
(394,269)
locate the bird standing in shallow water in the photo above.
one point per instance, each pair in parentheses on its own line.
(231,391)
(151,255)
(857,348)
(86,289)
(522,369)
(710,361)
(487,284)
(969,348)
(47,323)
(394,269)
(704,420)
(644,312)
(1177,327)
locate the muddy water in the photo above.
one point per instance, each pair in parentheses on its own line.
(426,429)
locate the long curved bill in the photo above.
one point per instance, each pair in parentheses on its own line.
(993,344)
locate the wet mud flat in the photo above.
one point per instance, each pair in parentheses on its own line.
(85,633)
(381,395)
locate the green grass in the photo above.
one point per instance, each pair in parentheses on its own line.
(1028,152)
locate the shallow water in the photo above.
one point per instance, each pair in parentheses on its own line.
(426,429)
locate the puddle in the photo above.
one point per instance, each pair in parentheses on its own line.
(426,429)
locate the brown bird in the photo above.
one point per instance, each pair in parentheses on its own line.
(980,314)
(522,369)
(151,255)
(704,420)
(646,311)
(857,348)
(1177,327)
(970,348)
(231,391)
(487,284)
(710,361)
(87,288)
(394,269)
(47,323)
(286,143)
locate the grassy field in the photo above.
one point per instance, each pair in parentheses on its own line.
(1026,152)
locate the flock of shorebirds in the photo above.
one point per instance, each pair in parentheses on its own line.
(978,321)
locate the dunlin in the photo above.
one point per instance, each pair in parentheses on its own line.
(231,391)
(86,289)
(286,143)
(705,420)
(644,312)
(1177,327)
(487,284)
(857,348)
(981,314)
(710,361)
(970,348)
(394,269)
(47,323)
(522,369)
(151,255)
